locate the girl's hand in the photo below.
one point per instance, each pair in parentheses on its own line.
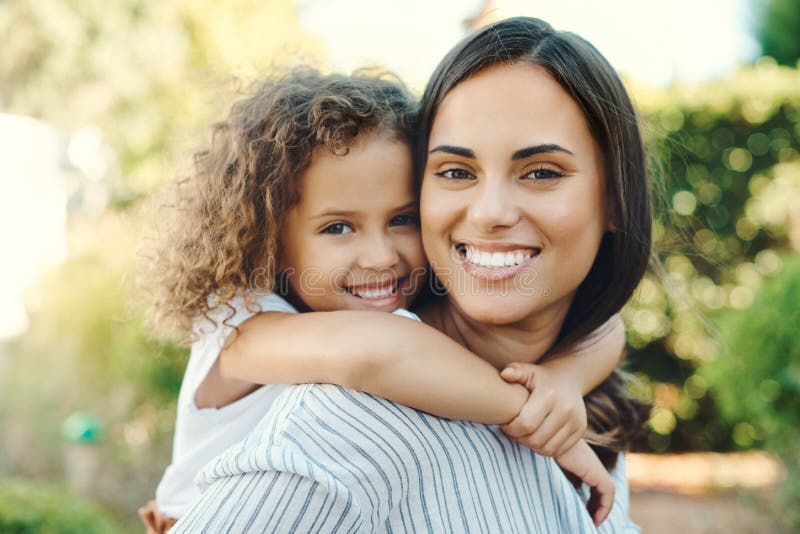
(554,418)
(581,464)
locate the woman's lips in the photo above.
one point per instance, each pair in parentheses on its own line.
(495,262)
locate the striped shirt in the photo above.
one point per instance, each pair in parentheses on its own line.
(329,459)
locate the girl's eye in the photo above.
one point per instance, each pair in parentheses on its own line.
(337,229)
(456,174)
(544,173)
(404,220)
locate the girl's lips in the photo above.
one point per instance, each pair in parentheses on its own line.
(374,288)
(391,301)
(382,296)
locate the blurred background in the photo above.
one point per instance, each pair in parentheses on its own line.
(102,102)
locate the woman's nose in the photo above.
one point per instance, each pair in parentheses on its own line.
(378,252)
(493,206)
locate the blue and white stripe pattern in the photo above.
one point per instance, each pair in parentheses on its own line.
(329,459)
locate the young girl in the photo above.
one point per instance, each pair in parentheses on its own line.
(305,202)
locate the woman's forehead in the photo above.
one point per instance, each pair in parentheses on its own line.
(520,104)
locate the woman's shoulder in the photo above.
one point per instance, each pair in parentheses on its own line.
(311,419)
(306,425)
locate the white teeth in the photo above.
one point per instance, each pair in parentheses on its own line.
(496,259)
(364,294)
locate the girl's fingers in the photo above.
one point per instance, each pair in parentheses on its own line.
(555,446)
(546,438)
(530,418)
(520,373)
(571,440)
(601,500)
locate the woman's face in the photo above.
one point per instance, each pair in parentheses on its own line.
(513,195)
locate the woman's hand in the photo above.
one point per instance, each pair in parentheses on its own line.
(154,522)
(581,464)
(553,419)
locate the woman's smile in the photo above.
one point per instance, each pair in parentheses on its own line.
(494,261)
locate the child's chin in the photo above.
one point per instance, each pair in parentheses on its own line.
(354,302)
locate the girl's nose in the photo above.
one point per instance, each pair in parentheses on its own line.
(378,252)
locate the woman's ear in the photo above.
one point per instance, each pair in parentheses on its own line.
(611,214)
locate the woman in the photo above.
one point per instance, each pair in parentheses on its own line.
(583,217)
(529,150)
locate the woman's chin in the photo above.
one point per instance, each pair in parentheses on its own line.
(495,310)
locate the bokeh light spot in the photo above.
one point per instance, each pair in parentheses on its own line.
(684,202)
(738,159)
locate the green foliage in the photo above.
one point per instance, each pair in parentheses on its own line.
(777,30)
(729,187)
(147,74)
(26,508)
(149,77)
(756,381)
(87,349)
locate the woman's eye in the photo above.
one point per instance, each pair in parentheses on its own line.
(543,173)
(404,220)
(337,229)
(455,174)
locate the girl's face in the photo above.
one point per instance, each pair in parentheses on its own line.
(352,242)
(512,204)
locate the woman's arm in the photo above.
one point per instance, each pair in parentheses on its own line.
(384,354)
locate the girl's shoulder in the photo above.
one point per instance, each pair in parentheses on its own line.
(225,316)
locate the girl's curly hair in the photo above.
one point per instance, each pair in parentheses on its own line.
(221,237)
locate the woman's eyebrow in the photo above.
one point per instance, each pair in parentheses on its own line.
(523,153)
(457,150)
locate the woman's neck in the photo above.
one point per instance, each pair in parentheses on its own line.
(524,341)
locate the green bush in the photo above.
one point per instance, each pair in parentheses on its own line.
(87,350)
(757,380)
(728,187)
(29,508)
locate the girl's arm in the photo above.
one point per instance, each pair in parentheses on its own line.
(554,418)
(384,354)
(414,364)
(605,348)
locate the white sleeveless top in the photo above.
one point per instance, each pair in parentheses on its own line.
(202,434)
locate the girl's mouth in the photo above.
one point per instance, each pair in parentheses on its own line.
(378,295)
